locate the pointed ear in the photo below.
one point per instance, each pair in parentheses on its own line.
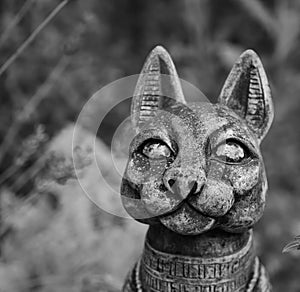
(152,87)
(247,92)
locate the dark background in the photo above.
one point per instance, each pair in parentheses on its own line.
(91,43)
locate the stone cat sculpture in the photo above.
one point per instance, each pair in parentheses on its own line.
(196,175)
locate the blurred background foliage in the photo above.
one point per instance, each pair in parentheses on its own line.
(52,237)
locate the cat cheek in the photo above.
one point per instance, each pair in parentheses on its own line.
(215,200)
(244,178)
(156,201)
(133,204)
(246,211)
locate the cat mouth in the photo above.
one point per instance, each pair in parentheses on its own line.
(187,220)
(181,205)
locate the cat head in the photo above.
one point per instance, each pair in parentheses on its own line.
(197,167)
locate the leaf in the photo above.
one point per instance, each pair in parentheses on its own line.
(292,246)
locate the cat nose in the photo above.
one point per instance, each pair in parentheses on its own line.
(181,187)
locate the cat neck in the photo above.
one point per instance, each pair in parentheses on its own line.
(214,261)
(214,243)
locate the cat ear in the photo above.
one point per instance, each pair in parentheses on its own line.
(247,92)
(152,87)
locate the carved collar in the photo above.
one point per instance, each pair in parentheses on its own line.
(162,272)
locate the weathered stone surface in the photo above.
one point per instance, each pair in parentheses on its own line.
(195,174)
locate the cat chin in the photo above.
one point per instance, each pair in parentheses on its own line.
(187,221)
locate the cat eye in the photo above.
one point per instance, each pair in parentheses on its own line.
(156,150)
(231,152)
